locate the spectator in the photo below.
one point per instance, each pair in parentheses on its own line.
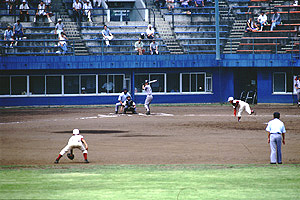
(162,3)
(251,25)
(185,4)
(262,20)
(139,46)
(9,36)
(199,3)
(107,35)
(170,4)
(18,31)
(11,6)
(98,3)
(47,3)
(276,19)
(59,27)
(150,32)
(62,42)
(295,3)
(87,9)
(77,11)
(24,11)
(153,48)
(41,12)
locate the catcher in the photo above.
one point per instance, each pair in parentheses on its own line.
(76,141)
(241,106)
(129,105)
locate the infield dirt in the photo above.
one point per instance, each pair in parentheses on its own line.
(204,134)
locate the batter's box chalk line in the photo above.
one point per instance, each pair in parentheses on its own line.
(157,114)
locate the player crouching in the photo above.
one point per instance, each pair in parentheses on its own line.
(76,141)
(129,105)
(241,106)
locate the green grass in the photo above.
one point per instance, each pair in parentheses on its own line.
(150,182)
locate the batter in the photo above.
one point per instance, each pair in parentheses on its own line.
(149,97)
(241,106)
(76,141)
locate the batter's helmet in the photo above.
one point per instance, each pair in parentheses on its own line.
(230,99)
(146,81)
(76,132)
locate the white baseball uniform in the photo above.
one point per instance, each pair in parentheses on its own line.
(241,107)
(123,98)
(149,97)
(74,142)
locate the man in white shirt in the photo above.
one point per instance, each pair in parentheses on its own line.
(77,11)
(276,134)
(121,99)
(41,12)
(297,86)
(24,11)
(150,32)
(87,10)
(262,20)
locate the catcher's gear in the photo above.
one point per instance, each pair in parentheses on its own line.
(70,156)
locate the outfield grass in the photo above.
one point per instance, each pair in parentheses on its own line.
(182,182)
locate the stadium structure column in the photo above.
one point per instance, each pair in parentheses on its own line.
(217,19)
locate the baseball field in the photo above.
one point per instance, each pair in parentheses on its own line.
(178,152)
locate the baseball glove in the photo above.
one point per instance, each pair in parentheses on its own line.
(70,156)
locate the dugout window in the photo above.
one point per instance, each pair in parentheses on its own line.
(37,84)
(111,83)
(4,85)
(283,82)
(194,82)
(71,84)
(53,85)
(173,82)
(158,86)
(88,84)
(19,85)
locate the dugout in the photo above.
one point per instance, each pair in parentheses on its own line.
(83,80)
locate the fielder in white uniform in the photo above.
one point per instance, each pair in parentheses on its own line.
(276,131)
(76,141)
(297,86)
(149,97)
(122,98)
(241,106)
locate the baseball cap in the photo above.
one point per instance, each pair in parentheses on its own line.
(59,19)
(146,81)
(230,99)
(76,132)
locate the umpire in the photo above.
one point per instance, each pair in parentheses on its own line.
(276,131)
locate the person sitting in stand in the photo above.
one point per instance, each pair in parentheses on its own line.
(107,35)
(9,37)
(185,4)
(24,11)
(251,25)
(153,48)
(276,19)
(262,20)
(150,32)
(77,11)
(170,4)
(11,6)
(41,12)
(18,31)
(87,10)
(62,42)
(199,3)
(139,46)
(59,27)
(129,105)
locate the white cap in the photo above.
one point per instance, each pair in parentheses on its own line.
(230,99)
(59,19)
(76,132)
(24,1)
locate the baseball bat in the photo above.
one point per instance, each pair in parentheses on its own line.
(153,81)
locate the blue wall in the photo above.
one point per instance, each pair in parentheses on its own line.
(223,74)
